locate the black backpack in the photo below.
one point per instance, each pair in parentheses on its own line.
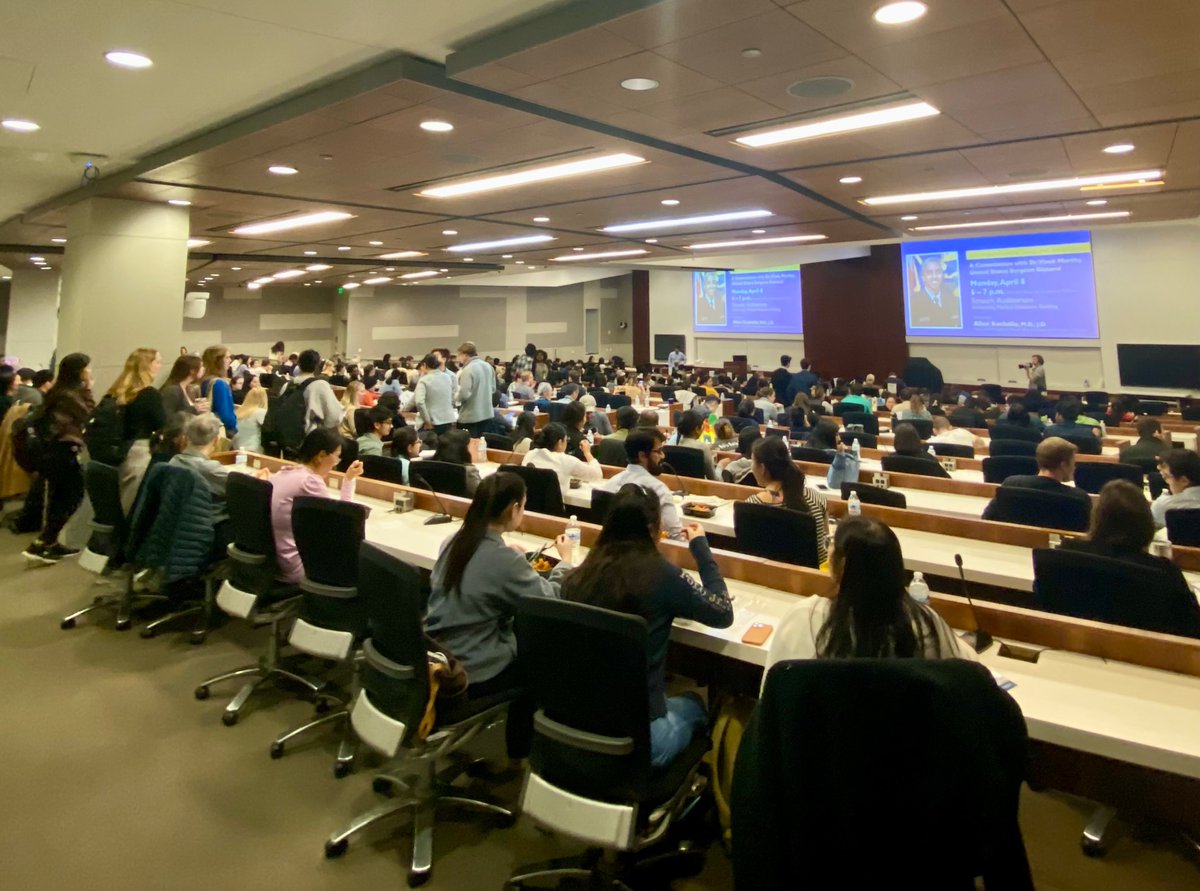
(105,433)
(283,427)
(30,440)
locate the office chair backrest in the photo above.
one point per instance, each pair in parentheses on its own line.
(1085,442)
(362,421)
(383,468)
(349,455)
(102,482)
(814,456)
(543,494)
(618,400)
(776,533)
(1190,412)
(925,466)
(1000,448)
(869,494)
(1183,527)
(601,398)
(869,423)
(499,441)
(843,408)
(587,672)
(1000,468)
(555,411)
(601,504)
(1098,398)
(1120,592)
(1152,407)
(924,428)
(953,450)
(1092,475)
(1013,431)
(865,440)
(328,533)
(1047,510)
(686,460)
(443,476)
(611,452)
(253,567)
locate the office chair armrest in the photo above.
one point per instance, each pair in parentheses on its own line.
(246,557)
(100,527)
(581,739)
(312,587)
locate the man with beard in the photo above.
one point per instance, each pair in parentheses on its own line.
(644,448)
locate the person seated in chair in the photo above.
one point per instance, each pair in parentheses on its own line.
(624,572)
(1066,421)
(871,616)
(783,486)
(477,584)
(687,434)
(595,420)
(969,414)
(943,431)
(1019,421)
(1181,472)
(549,452)
(824,435)
(916,410)
(738,469)
(371,442)
(627,421)
(405,448)
(454,447)
(745,415)
(906,442)
(1056,467)
(1151,444)
(644,449)
(725,439)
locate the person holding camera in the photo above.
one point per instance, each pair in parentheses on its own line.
(1036,372)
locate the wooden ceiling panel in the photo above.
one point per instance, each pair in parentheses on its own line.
(850,23)
(717,109)
(1152,149)
(673,20)
(1183,167)
(868,83)
(574,52)
(910,173)
(1147,99)
(676,82)
(1042,158)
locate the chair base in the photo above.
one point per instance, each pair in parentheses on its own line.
(121,605)
(347,746)
(1097,835)
(201,610)
(263,675)
(612,870)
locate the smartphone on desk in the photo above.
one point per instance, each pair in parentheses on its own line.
(757,634)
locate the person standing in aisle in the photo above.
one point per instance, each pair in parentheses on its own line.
(434,396)
(476,384)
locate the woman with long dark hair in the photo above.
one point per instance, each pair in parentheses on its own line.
(184,380)
(550,453)
(478,582)
(64,415)
(523,432)
(624,572)
(454,447)
(783,486)
(871,616)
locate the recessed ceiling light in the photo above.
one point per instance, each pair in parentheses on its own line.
(669,202)
(909,217)
(197,242)
(253,286)
(1027,221)
(316,281)
(468,259)
(310,253)
(758,231)
(541,219)
(751,52)
(350,286)
(37,259)
(601,255)
(400,255)
(533,175)
(375,243)
(179,202)
(499,243)
(443,270)
(651,241)
(1119,148)
(752,242)
(19,125)
(638,84)
(126,59)
(379,280)
(236,268)
(424,274)
(214,275)
(449,231)
(308,284)
(318,267)
(577,249)
(900,13)
(1097,202)
(288,273)
(688,221)
(293,222)
(850,180)
(1011,188)
(843,123)
(282,170)
(390,269)
(437,126)
(344,247)
(506,256)
(59,240)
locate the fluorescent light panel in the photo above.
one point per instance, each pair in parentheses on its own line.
(378,280)
(500,243)
(317,267)
(688,221)
(1045,185)
(602,255)
(533,175)
(424,274)
(843,123)
(1026,221)
(752,242)
(288,273)
(197,242)
(293,222)
(400,255)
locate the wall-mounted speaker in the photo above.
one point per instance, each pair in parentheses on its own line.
(195,304)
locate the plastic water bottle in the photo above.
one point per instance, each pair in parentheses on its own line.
(857,449)
(535,411)
(574,536)
(241,457)
(918,590)
(853,505)
(591,437)
(932,453)
(482,450)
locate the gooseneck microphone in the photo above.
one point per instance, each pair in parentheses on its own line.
(444,516)
(979,639)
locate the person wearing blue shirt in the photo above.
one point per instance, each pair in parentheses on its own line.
(802,381)
(215,387)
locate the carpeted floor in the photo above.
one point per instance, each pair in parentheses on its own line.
(112,776)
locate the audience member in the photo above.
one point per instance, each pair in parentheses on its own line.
(435,396)
(906,443)
(251,414)
(802,382)
(764,401)
(741,470)
(215,386)
(34,391)
(550,453)
(916,410)
(745,415)
(523,432)
(454,447)
(725,437)
(321,406)
(350,403)
(781,377)
(627,420)
(1181,472)
(406,448)
(824,435)
(643,448)
(574,417)
(142,416)
(1056,467)
(1017,424)
(476,384)
(687,434)
(1150,445)
(968,415)
(595,420)
(182,383)
(371,442)
(1067,420)
(783,486)
(956,435)
(648,420)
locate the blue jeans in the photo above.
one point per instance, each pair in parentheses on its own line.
(670,734)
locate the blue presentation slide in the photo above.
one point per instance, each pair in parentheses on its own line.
(1011,286)
(765,301)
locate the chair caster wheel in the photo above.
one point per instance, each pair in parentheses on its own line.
(417,879)
(197,638)
(333,850)
(66,624)
(124,624)
(201,693)
(322,705)
(507,821)
(147,633)
(1095,850)
(342,769)
(276,750)
(229,718)
(381,786)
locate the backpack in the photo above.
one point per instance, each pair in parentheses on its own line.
(283,427)
(29,440)
(104,435)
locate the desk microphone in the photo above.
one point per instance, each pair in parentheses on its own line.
(444,516)
(666,465)
(979,639)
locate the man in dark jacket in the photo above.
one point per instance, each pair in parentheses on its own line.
(781,378)
(1150,445)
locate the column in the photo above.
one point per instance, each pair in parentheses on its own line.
(32,317)
(123,282)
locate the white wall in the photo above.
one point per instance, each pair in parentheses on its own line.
(32,317)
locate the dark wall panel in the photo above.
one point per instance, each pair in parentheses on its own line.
(641,317)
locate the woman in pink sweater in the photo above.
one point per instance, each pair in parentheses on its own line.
(319,454)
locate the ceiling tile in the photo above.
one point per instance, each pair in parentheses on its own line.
(849,23)
(671,20)
(573,52)
(868,84)
(604,81)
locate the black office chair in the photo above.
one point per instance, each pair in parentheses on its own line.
(601,504)
(389,708)
(924,428)
(590,776)
(776,533)
(952,450)
(1092,475)
(865,440)
(332,619)
(618,400)
(1190,412)
(250,592)
(739,423)
(869,423)
(925,466)
(1013,432)
(1086,443)
(555,411)
(686,461)
(543,494)
(1003,448)
(1120,592)
(611,452)
(1000,468)
(442,476)
(872,392)
(1183,527)
(1046,510)
(1097,398)
(499,441)
(823,734)
(1157,484)
(844,408)
(601,398)
(384,469)
(813,456)
(349,455)
(869,494)
(1152,407)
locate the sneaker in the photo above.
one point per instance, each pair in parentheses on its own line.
(36,554)
(56,552)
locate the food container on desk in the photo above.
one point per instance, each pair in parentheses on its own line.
(699,510)
(544,564)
